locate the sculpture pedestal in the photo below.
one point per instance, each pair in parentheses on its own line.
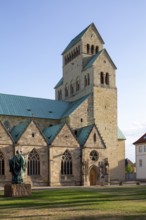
(17,190)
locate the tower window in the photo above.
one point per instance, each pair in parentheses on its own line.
(92,49)
(71,89)
(107,78)
(59,94)
(69,57)
(97,49)
(65,60)
(88,48)
(88,79)
(79,50)
(101,78)
(77,85)
(85,81)
(66,91)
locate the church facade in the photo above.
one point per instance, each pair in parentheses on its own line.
(74,139)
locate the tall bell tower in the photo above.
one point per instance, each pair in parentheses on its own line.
(88,69)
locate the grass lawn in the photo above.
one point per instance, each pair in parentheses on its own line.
(107,203)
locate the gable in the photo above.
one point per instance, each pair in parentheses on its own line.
(76,39)
(97,56)
(65,138)
(93,139)
(141,140)
(92,37)
(4,136)
(75,105)
(86,137)
(32,136)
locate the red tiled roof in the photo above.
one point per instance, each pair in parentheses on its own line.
(141,140)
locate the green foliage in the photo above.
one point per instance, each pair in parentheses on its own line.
(129,168)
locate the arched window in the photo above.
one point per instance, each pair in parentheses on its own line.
(101,78)
(33,163)
(107,78)
(79,50)
(92,49)
(2,164)
(97,49)
(77,85)
(66,91)
(66,163)
(71,89)
(85,81)
(88,79)
(69,57)
(72,56)
(59,94)
(75,52)
(88,48)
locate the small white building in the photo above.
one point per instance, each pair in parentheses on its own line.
(140,153)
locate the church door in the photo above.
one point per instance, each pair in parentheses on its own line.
(93,176)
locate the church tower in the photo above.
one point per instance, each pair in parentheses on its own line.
(88,69)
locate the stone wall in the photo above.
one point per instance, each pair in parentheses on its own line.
(121,159)
(64,141)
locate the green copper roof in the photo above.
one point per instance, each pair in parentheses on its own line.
(121,135)
(83,133)
(51,132)
(94,57)
(23,106)
(18,130)
(74,105)
(92,60)
(59,83)
(79,36)
(31,107)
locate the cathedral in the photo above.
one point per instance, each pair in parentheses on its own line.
(75,139)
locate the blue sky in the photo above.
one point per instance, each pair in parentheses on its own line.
(33,34)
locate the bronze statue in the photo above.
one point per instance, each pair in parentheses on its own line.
(17,167)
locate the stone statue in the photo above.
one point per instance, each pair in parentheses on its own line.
(17,167)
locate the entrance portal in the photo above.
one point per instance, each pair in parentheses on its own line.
(94,175)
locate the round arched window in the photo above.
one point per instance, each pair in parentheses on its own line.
(94,155)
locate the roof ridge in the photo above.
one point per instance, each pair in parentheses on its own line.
(76,39)
(24,96)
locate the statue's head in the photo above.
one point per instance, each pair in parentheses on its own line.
(18,152)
